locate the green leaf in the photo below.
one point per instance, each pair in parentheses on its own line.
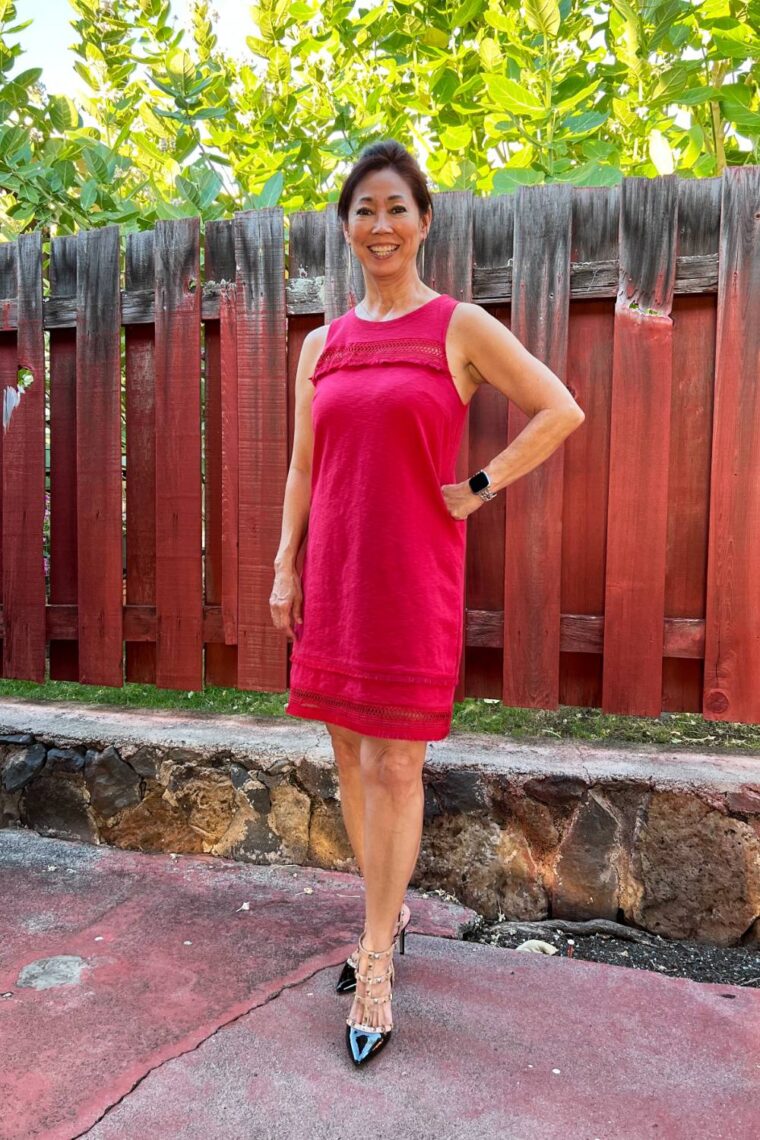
(575,126)
(88,194)
(271,190)
(660,153)
(509,178)
(746,120)
(63,113)
(510,96)
(180,66)
(697,95)
(594,174)
(543,16)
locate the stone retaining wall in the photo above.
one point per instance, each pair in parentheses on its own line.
(522,831)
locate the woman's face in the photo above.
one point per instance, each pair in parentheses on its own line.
(383,212)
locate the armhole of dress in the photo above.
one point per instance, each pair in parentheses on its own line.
(331,334)
(446,312)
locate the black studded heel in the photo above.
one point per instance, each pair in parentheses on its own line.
(346,983)
(362,1039)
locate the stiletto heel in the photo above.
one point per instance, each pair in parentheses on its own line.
(362,1039)
(346,983)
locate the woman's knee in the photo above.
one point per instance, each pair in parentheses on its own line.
(346,745)
(395,765)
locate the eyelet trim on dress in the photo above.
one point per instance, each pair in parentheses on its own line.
(372,675)
(380,712)
(361,353)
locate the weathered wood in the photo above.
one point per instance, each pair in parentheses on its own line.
(596,213)
(140,348)
(640,438)
(179,571)
(732,636)
(446,256)
(596,273)
(218,265)
(98,458)
(23,586)
(534,503)
(306,267)
(230,462)
(493,245)
(262,441)
(305,295)
(694,320)
(8,368)
(64,655)
(579,633)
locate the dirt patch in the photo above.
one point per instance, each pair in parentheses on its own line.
(636,949)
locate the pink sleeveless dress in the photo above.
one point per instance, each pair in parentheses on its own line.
(379,646)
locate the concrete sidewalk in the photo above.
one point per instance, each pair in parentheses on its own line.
(151,997)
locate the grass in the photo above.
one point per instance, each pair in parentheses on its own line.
(675,730)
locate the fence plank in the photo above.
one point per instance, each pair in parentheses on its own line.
(99,508)
(587,452)
(262,440)
(8,374)
(219,266)
(732,629)
(694,324)
(140,372)
(640,437)
(492,245)
(24,479)
(230,461)
(64,655)
(446,256)
(534,503)
(179,572)
(306,264)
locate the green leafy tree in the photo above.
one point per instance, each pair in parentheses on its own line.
(490,93)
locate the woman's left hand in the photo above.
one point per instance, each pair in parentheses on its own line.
(460,500)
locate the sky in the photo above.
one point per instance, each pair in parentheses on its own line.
(46,41)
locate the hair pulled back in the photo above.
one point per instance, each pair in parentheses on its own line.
(376,156)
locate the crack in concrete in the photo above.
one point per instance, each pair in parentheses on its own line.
(222,1025)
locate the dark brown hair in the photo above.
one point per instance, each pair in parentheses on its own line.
(377,156)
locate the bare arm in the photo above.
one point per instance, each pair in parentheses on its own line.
(286,599)
(498,357)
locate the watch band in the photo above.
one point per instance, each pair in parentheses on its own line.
(480,484)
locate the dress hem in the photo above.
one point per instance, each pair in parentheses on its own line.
(365,724)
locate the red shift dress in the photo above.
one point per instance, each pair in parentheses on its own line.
(379,645)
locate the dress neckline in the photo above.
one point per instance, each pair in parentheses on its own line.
(395,320)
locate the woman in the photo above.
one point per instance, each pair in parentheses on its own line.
(381,398)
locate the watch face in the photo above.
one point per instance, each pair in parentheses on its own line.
(479,482)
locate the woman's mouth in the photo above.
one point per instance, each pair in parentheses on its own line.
(382,251)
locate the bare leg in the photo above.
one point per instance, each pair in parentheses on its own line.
(346,747)
(391,773)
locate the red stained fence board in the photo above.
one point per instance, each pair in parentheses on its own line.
(262,441)
(179,573)
(140,376)
(98,457)
(24,480)
(532,578)
(640,439)
(732,627)
(64,654)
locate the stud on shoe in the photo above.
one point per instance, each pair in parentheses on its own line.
(346,983)
(364,1040)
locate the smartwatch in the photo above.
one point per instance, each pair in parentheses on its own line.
(480,484)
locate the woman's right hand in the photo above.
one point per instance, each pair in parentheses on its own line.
(286,599)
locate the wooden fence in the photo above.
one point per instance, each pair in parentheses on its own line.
(623,573)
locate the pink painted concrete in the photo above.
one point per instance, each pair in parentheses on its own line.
(143,995)
(240,1035)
